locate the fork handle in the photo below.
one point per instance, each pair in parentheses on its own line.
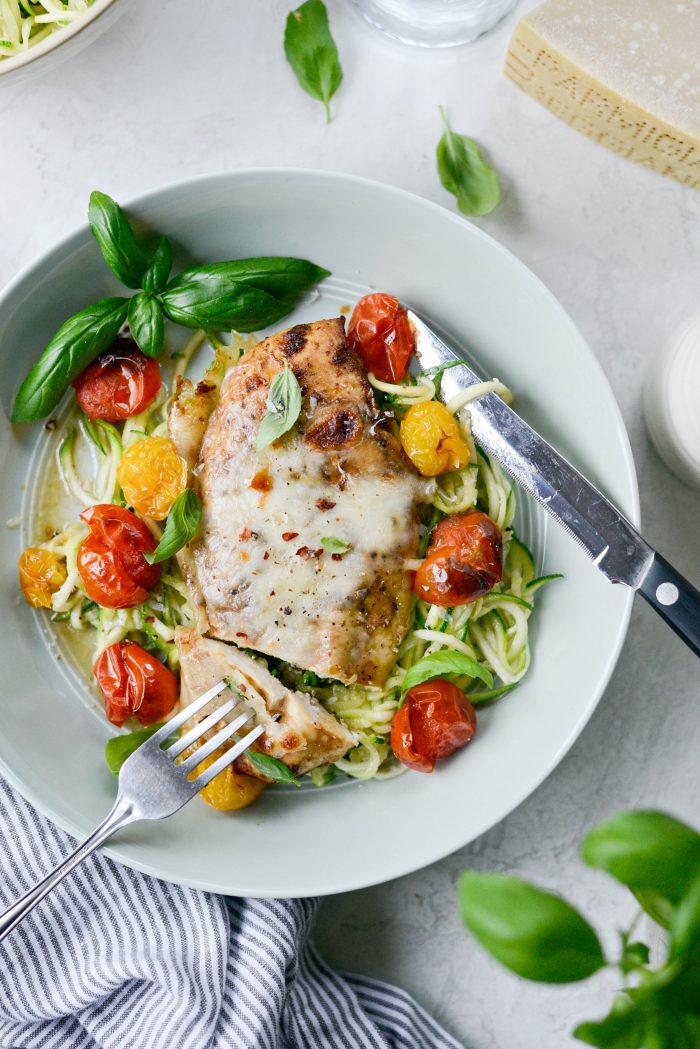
(120,814)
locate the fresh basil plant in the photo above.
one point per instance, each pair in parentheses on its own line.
(540,937)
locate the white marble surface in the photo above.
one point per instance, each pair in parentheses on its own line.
(178,89)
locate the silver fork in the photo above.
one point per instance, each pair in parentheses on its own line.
(152,786)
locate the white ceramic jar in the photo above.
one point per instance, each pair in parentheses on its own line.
(672,402)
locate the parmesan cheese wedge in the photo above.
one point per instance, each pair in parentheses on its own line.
(627,74)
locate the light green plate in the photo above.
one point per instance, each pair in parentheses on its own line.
(298,843)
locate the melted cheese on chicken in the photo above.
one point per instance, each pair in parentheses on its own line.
(263,576)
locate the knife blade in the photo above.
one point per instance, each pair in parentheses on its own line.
(608,537)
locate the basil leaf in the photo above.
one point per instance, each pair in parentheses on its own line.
(155,277)
(464,172)
(181,526)
(645,851)
(656,906)
(275,770)
(146,323)
(623,1028)
(119,748)
(335,546)
(685,924)
(283,407)
(112,231)
(311,52)
(76,343)
(534,933)
(445,661)
(245,294)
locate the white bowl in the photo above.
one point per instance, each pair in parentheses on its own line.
(304,842)
(60,45)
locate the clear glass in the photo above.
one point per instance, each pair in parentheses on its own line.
(435,23)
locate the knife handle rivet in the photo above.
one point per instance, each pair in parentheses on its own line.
(667,594)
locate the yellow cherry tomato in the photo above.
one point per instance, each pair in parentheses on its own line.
(230,790)
(432,439)
(152,475)
(41,574)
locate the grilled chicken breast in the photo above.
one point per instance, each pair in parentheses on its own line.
(264,573)
(305,735)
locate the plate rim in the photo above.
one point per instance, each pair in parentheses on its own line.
(123,854)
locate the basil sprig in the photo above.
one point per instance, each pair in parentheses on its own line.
(73,347)
(271,767)
(464,172)
(119,748)
(312,53)
(283,408)
(541,937)
(443,663)
(182,525)
(246,294)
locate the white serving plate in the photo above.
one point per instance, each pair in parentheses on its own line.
(299,843)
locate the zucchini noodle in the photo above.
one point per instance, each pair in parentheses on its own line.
(23,23)
(492,630)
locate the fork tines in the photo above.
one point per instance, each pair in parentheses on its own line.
(207,748)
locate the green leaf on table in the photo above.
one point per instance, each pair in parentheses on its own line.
(283,408)
(534,933)
(243,295)
(155,277)
(333,545)
(271,767)
(119,748)
(443,663)
(182,525)
(146,323)
(649,852)
(75,345)
(312,53)
(112,231)
(464,172)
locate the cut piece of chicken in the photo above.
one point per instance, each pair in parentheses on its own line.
(304,737)
(269,572)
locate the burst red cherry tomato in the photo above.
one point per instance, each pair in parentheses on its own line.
(435,720)
(119,383)
(110,560)
(134,684)
(381,335)
(463,562)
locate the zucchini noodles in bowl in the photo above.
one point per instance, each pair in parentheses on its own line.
(491,631)
(303,518)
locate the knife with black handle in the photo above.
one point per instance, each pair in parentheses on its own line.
(610,540)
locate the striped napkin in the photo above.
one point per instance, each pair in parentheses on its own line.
(118,960)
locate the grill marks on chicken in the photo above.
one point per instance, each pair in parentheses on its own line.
(263,577)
